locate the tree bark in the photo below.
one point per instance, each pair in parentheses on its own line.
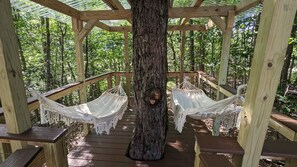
(150,68)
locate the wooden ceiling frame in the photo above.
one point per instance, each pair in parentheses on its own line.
(200,28)
(115,5)
(245,5)
(196,3)
(119,13)
(190,12)
(68,10)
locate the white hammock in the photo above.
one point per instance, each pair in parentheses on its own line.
(193,102)
(104,112)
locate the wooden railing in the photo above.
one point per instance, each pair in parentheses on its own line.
(198,77)
(282,124)
(72,87)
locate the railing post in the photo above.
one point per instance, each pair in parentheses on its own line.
(77,26)
(117,79)
(109,81)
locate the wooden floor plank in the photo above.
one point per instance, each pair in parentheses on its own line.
(109,150)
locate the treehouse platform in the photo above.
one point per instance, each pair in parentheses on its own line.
(109,150)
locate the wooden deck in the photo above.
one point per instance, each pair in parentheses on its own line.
(109,150)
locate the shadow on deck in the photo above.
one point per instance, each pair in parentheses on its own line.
(109,150)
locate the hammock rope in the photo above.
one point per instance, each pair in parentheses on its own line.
(193,102)
(103,112)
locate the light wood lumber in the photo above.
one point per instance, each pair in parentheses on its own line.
(13,97)
(86,29)
(60,7)
(190,12)
(114,4)
(77,26)
(271,45)
(56,153)
(102,26)
(245,5)
(65,9)
(196,3)
(230,19)
(282,129)
(200,28)
(219,22)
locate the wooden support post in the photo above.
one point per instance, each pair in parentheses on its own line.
(182,55)
(224,65)
(127,65)
(109,81)
(77,26)
(271,45)
(56,153)
(5,150)
(13,97)
(117,79)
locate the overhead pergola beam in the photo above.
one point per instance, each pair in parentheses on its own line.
(219,22)
(59,7)
(169,28)
(67,10)
(190,12)
(87,28)
(114,4)
(196,3)
(245,5)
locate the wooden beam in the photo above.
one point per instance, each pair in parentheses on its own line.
(219,22)
(87,28)
(230,19)
(245,5)
(114,4)
(77,26)
(67,10)
(190,12)
(271,45)
(13,97)
(102,26)
(59,7)
(196,3)
(169,28)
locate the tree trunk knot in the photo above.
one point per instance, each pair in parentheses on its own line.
(153,96)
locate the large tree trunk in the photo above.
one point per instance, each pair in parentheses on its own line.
(150,69)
